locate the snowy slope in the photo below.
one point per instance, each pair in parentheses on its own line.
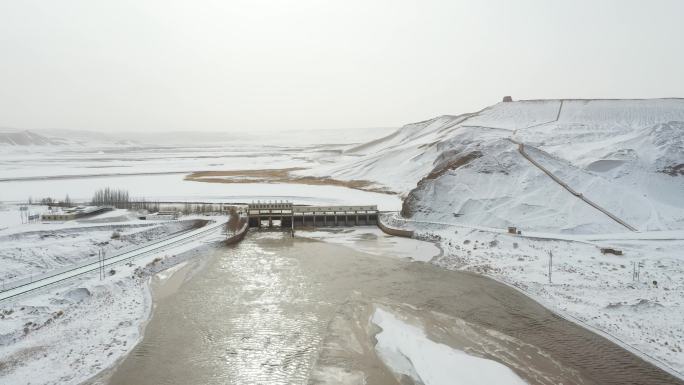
(55,140)
(626,156)
(26,138)
(396,161)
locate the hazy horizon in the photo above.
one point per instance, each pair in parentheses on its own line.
(274,65)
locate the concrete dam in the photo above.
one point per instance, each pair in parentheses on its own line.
(289,216)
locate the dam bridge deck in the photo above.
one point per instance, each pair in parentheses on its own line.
(290,216)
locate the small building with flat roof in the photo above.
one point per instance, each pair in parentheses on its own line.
(74,213)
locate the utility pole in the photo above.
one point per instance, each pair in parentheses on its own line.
(101,261)
(633,271)
(550,264)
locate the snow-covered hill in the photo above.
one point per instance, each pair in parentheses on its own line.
(26,138)
(626,156)
(13,141)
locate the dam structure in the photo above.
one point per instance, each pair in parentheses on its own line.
(289,216)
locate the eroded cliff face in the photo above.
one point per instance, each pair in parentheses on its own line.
(446,162)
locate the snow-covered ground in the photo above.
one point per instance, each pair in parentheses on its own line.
(174,188)
(65,336)
(69,332)
(73,154)
(64,245)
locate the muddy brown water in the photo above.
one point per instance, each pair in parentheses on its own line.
(278,310)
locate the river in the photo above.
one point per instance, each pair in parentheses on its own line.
(281,310)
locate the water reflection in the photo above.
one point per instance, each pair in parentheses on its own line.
(272,325)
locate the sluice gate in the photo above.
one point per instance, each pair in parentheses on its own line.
(289,216)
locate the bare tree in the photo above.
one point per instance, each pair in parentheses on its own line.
(111,197)
(47,201)
(233,224)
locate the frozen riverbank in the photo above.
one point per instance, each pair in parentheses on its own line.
(646,314)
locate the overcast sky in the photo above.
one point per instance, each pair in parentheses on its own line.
(257,65)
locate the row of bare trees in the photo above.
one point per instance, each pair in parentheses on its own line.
(143,204)
(108,196)
(121,199)
(199,208)
(52,202)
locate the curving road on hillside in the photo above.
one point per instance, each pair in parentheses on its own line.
(521,150)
